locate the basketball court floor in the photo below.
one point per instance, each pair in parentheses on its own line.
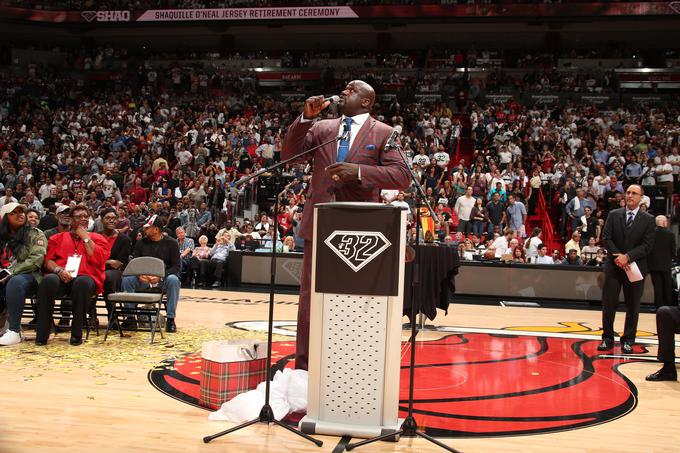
(488,379)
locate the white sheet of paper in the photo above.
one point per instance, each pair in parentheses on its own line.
(634,274)
(73,265)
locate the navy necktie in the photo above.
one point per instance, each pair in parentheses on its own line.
(631,217)
(343,148)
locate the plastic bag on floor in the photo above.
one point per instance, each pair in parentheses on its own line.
(247,406)
(296,390)
(287,393)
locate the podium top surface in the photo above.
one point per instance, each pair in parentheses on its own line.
(354,205)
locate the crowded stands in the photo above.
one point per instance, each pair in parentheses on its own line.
(135,144)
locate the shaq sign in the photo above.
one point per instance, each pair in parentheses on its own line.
(357,248)
(106,16)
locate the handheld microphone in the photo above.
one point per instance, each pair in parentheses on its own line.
(392,141)
(332,99)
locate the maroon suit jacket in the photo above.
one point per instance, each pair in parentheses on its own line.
(380,168)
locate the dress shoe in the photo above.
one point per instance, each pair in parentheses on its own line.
(606,345)
(170,325)
(40,342)
(627,348)
(76,341)
(664,374)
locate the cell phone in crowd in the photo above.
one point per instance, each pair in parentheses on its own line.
(5,274)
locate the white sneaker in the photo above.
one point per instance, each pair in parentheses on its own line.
(10,337)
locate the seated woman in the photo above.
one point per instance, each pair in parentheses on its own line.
(214,267)
(518,255)
(200,253)
(288,244)
(22,251)
(120,248)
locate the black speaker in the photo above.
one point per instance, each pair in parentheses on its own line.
(227,44)
(383,42)
(265,193)
(553,41)
(658,206)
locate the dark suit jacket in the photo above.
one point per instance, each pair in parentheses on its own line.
(635,241)
(663,251)
(380,168)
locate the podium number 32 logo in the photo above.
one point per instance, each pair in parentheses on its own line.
(357,248)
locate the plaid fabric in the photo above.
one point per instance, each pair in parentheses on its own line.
(220,382)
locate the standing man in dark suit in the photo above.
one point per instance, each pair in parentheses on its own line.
(660,260)
(628,237)
(352,169)
(667,325)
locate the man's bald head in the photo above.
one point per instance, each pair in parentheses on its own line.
(358,97)
(366,90)
(633,196)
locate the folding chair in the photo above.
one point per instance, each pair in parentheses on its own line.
(144,265)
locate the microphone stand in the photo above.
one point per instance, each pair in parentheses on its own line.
(266,413)
(409,428)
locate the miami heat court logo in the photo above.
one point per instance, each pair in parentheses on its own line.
(483,382)
(357,249)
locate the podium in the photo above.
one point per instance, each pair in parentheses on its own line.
(356,319)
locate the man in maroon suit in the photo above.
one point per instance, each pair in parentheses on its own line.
(352,169)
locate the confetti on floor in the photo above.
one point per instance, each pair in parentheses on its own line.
(95,354)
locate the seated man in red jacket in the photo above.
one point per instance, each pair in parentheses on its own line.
(74,265)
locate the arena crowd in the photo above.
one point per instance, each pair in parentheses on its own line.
(158,149)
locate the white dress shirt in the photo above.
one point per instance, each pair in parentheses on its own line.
(357,122)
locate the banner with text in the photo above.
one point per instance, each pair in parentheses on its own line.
(312,12)
(613,9)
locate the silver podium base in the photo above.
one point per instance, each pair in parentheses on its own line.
(310,426)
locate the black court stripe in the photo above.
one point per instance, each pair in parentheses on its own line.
(342,444)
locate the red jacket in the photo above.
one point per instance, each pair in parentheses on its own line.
(62,245)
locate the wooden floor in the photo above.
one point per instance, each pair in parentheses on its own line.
(97,397)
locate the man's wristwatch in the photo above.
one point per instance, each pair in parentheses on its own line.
(57,270)
(87,240)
